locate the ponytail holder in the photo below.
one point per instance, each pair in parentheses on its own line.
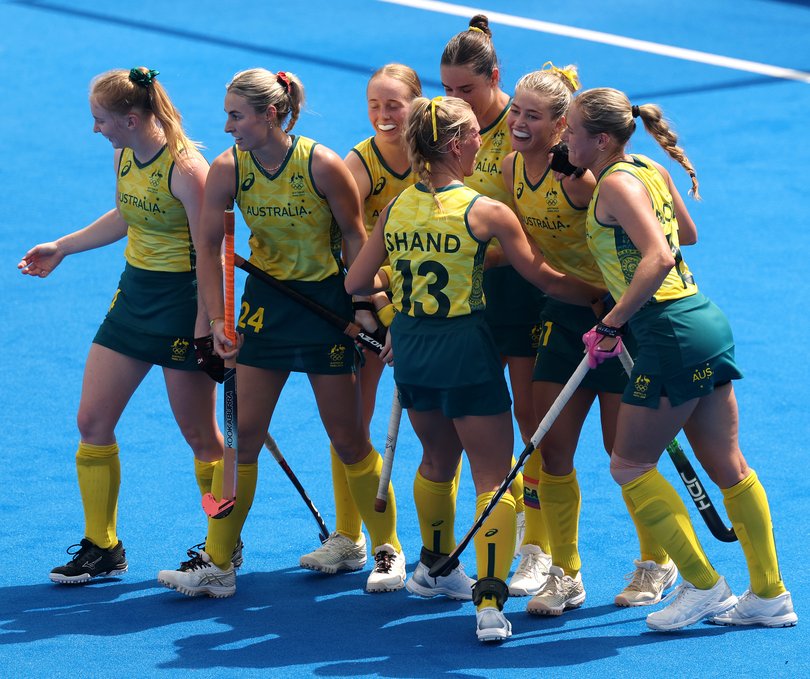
(566,73)
(282,79)
(634,110)
(433,122)
(141,78)
(476,29)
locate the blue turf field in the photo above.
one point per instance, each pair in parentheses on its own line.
(745,131)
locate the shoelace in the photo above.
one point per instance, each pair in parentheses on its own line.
(638,579)
(195,562)
(528,565)
(384,561)
(680,592)
(554,585)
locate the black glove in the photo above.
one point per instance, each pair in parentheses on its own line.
(207,359)
(560,162)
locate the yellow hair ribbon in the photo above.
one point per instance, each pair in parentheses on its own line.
(567,73)
(475,28)
(433,103)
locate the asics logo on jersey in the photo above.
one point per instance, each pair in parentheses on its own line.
(519,190)
(249,180)
(126,168)
(379,186)
(491,532)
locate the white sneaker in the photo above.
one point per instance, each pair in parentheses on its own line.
(521,531)
(388,574)
(647,583)
(531,573)
(456,585)
(200,575)
(338,553)
(492,625)
(560,593)
(690,604)
(754,610)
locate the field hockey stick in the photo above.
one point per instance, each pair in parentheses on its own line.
(371,341)
(447,563)
(690,478)
(218,509)
(272,446)
(381,502)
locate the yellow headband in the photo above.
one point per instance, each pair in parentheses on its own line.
(475,28)
(433,103)
(567,73)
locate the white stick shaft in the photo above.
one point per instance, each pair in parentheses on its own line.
(390,447)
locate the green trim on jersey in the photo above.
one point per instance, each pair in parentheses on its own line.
(554,223)
(615,252)
(294,235)
(385,184)
(437,262)
(496,144)
(158,234)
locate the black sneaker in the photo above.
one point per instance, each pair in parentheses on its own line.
(89,562)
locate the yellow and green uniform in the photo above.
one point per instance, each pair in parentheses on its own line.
(385,183)
(557,226)
(295,238)
(441,341)
(513,304)
(152,314)
(685,345)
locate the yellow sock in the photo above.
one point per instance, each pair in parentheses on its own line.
(347,518)
(457,479)
(436,510)
(647,544)
(364,478)
(747,507)
(495,541)
(536,531)
(204,473)
(658,507)
(517,490)
(224,533)
(561,502)
(99,471)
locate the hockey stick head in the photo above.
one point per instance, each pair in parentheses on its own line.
(217,509)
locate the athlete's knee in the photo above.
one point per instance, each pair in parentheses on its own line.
(350,446)
(92,428)
(624,471)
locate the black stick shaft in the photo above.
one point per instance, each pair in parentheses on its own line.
(349,328)
(272,446)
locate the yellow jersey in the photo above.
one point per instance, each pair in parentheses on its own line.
(618,256)
(158,235)
(385,183)
(496,144)
(437,263)
(554,223)
(293,234)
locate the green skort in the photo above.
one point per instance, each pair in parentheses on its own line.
(512,312)
(151,318)
(448,364)
(685,350)
(281,334)
(561,349)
